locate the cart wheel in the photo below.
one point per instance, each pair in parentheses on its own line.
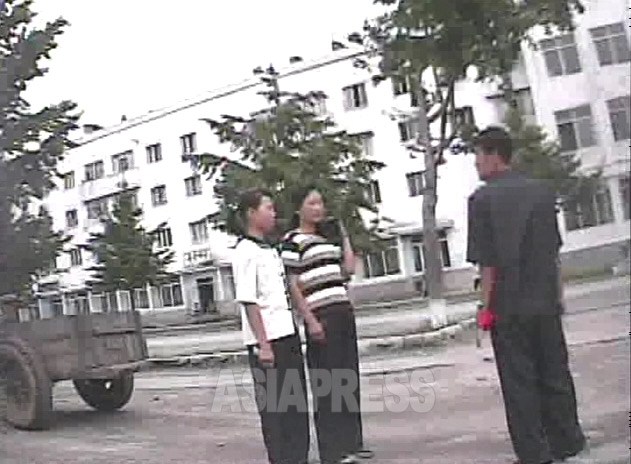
(25,387)
(106,394)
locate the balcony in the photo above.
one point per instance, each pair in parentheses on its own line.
(109,185)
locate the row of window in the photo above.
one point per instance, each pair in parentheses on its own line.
(193,186)
(164,296)
(576,126)
(97,209)
(122,162)
(597,209)
(562,57)
(386,262)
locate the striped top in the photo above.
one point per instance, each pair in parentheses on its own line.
(318,265)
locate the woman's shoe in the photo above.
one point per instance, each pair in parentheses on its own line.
(350,459)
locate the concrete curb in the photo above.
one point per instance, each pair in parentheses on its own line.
(366,347)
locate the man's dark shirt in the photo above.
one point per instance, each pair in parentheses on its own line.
(513,227)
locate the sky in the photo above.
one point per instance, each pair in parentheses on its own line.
(126,57)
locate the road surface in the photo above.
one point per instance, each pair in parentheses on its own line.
(202,416)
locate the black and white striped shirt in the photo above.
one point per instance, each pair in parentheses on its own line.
(318,265)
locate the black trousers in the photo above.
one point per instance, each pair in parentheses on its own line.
(538,389)
(336,410)
(281,397)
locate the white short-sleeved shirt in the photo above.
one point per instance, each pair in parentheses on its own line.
(259,278)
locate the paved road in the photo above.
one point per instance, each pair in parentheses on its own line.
(171,421)
(405,320)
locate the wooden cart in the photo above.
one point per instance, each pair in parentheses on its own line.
(98,352)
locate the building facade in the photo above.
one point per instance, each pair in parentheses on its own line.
(148,155)
(580,84)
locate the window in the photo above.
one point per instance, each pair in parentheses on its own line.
(94,171)
(416,183)
(625,195)
(619,109)
(414,99)
(400,85)
(141,298)
(75,257)
(78,303)
(123,162)
(589,210)
(69,180)
(612,44)
(464,116)
(189,144)
(171,295)
(154,153)
(374,192)
(407,130)
(355,97)
(382,263)
(163,237)
(193,186)
(317,106)
(133,196)
(96,208)
(366,141)
(199,231)
(159,195)
(525,104)
(561,55)
(575,128)
(418,251)
(105,302)
(72,218)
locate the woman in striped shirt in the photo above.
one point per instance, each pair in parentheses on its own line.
(318,263)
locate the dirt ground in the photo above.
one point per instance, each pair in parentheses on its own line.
(171,418)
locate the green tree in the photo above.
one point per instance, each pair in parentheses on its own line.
(540,157)
(124,252)
(437,42)
(286,146)
(31,143)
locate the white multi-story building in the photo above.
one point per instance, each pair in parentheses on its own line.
(147,155)
(580,84)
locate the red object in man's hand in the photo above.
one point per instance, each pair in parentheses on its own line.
(486,319)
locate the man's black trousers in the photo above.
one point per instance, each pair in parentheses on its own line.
(281,397)
(538,389)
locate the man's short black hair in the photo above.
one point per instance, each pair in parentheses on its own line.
(495,141)
(251,199)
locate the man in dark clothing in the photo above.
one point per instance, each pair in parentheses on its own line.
(514,238)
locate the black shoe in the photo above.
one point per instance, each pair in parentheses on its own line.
(365,453)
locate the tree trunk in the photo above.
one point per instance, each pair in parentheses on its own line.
(431,246)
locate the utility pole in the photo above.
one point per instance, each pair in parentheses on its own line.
(433,262)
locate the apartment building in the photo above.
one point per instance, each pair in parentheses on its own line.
(578,92)
(580,84)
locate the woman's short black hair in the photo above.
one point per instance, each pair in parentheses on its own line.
(495,140)
(251,199)
(298,197)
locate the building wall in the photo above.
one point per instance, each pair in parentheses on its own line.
(594,85)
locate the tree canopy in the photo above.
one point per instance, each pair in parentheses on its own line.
(124,252)
(32,141)
(290,144)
